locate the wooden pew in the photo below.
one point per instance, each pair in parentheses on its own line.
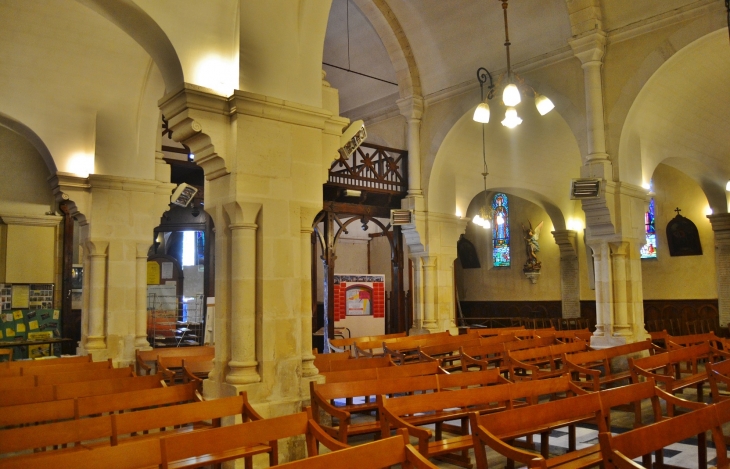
(619,450)
(411,412)
(596,369)
(6,372)
(494,331)
(573,335)
(345,344)
(541,362)
(678,341)
(86,375)
(665,368)
(50,362)
(718,373)
(368,349)
(66,367)
(359,364)
(500,429)
(323,396)
(447,355)
(143,454)
(143,357)
(16,382)
(245,440)
(68,409)
(322,360)
(406,350)
(489,355)
(196,371)
(386,372)
(172,367)
(383,453)
(85,433)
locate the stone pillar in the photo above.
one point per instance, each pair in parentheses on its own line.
(619,254)
(417,297)
(429,293)
(590,49)
(96,339)
(721,227)
(569,273)
(603,281)
(140,340)
(308,368)
(243,362)
(412,109)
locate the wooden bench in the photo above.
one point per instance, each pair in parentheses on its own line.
(85,375)
(573,335)
(342,345)
(718,372)
(368,349)
(489,355)
(597,369)
(665,368)
(143,357)
(541,362)
(68,409)
(85,433)
(378,454)
(499,430)
(144,454)
(171,368)
(406,350)
(356,364)
(386,372)
(324,395)
(411,412)
(447,355)
(66,367)
(322,360)
(678,341)
(196,371)
(49,362)
(218,445)
(494,331)
(79,389)
(619,450)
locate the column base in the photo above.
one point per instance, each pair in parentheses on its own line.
(141,343)
(418,331)
(308,368)
(243,373)
(95,342)
(601,342)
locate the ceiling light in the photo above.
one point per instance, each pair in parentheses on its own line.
(511,95)
(481,114)
(543,104)
(511,119)
(727,186)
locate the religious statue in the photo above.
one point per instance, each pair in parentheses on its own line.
(532,235)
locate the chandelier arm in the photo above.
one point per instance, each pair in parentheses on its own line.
(482,75)
(727,6)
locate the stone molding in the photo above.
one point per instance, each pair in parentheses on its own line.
(589,47)
(31,220)
(411,107)
(565,239)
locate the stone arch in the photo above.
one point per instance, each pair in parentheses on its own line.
(697,171)
(28,133)
(134,21)
(554,212)
(396,42)
(619,141)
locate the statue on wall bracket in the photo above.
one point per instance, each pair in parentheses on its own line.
(682,237)
(532,247)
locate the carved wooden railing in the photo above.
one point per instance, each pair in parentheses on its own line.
(372,168)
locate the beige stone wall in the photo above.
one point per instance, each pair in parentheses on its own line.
(390,132)
(509,283)
(686,277)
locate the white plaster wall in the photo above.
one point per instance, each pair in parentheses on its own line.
(24,188)
(380,259)
(391,132)
(685,277)
(360,326)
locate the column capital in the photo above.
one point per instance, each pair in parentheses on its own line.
(242,214)
(721,226)
(565,239)
(589,48)
(411,107)
(96,248)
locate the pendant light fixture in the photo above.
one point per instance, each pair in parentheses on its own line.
(512,93)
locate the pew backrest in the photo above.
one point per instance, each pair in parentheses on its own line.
(86,375)
(105,386)
(67,368)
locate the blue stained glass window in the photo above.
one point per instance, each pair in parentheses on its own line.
(500,230)
(648,250)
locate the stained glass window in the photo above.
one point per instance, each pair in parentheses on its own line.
(500,230)
(648,251)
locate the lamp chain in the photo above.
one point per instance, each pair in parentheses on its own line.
(506,40)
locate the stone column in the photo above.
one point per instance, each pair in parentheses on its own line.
(412,109)
(569,273)
(590,49)
(429,293)
(619,254)
(243,362)
(96,340)
(308,368)
(140,340)
(417,297)
(721,227)
(604,293)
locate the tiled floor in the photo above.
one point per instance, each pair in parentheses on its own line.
(682,454)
